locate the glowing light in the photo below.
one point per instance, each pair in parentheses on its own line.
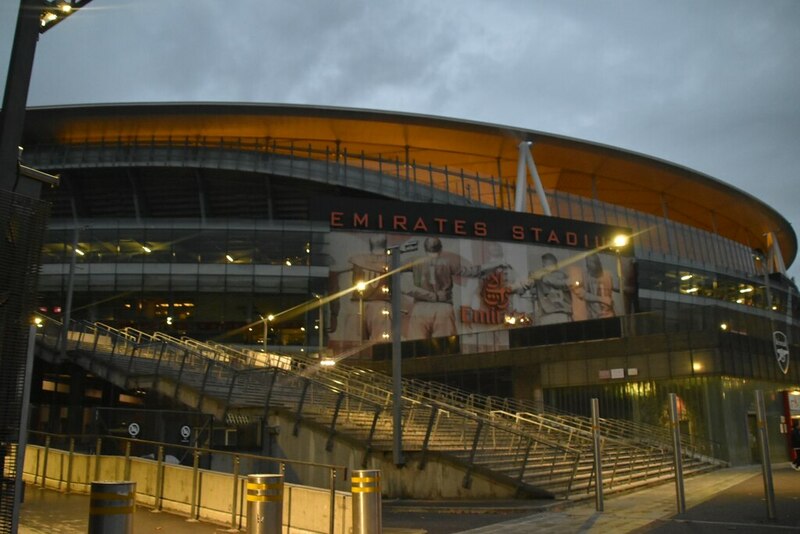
(385,335)
(327,362)
(697,366)
(169,320)
(229,258)
(79,252)
(621,240)
(740,301)
(692,290)
(147,249)
(361,286)
(66,8)
(510,319)
(746,290)
(37,321)
(686,277)
(288,263)
(723,326)
(270,317)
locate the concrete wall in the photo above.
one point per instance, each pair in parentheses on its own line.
(306,510)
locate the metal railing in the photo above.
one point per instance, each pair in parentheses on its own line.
(129,448)
(231,379)
(389,173)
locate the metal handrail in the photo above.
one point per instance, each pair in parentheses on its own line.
(189,352)
(196,452)
(415,390)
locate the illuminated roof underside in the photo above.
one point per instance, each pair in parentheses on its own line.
(581,168)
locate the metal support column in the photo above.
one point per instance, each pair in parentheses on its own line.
(763,441)
(397,377)
(674,417)
(598,464)
(522,180)
(537,181)
(15,97)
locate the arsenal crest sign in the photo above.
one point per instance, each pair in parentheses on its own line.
(781,345)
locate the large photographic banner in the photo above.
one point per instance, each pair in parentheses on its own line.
(476,284)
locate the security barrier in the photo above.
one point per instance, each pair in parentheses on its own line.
(366,501)
(264,504)
(111,507)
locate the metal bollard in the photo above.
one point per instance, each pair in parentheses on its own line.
(111,507)
(367,515)
(264,504)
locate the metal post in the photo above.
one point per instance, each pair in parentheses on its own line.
(159,478)
(266,333)
(22,442)
(366,488)
(360,317)
(18,81)
(537,181)
(321,323)
(763,441)
(264,504)
(70,290)
(98,448)
(674,418)
(397,380)
(235,497)
(332,516)
(46,457)
(69,464)
(127,474)
(598,463)
(195,467)
(522,179)
(111,507)
(321,327)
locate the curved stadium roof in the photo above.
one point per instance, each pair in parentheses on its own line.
(577,167)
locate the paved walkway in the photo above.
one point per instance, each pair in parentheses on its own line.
(721,501)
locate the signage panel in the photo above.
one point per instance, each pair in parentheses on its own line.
(466,273)
(371,215)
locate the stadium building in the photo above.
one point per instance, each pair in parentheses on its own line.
(534,266)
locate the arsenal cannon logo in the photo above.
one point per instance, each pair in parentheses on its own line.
(781,345)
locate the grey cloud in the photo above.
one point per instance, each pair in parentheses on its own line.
(710,85)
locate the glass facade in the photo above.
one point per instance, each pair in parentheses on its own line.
(235,258)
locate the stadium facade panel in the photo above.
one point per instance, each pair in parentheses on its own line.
(206,219)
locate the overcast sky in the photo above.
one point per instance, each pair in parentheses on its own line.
(713,85)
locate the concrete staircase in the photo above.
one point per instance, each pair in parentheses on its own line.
(541,451)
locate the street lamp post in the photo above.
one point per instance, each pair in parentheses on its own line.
(360,287)
(20,186)
(321,325)
(266,320)
(621,241)
(397,379)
